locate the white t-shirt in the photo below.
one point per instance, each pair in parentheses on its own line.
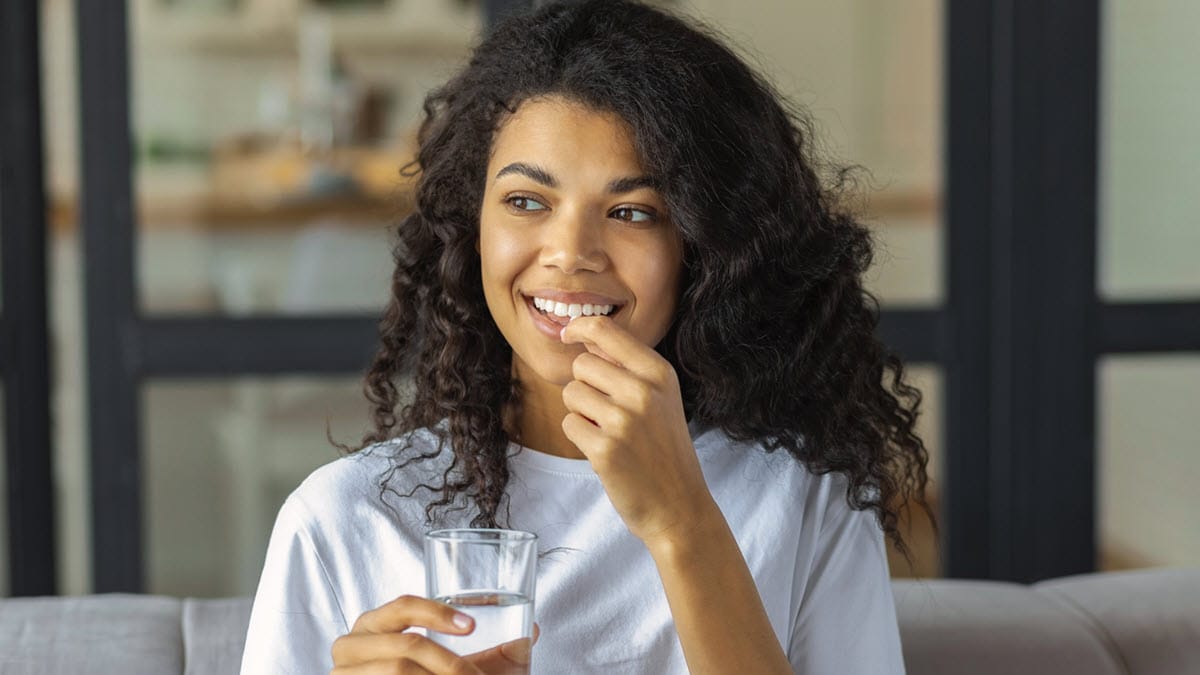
(342,547)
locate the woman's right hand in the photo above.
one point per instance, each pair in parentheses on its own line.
(378,643)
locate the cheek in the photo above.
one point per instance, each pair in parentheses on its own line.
(502,257)
(658,275)
(655,279)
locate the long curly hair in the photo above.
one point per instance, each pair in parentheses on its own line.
(774,337)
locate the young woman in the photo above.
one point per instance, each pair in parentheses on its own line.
(633,322)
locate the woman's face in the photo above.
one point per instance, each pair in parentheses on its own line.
(570,217)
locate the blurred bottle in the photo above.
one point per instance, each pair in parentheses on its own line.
(315,48)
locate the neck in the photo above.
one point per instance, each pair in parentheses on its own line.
(539,425)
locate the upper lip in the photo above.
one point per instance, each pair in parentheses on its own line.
(573,297)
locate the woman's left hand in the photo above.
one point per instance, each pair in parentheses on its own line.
(627,418)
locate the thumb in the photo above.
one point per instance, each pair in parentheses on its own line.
(509,658)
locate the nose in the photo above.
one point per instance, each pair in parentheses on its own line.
(574,243)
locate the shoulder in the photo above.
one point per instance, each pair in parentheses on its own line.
(746,469)
(751,461)
(365,482)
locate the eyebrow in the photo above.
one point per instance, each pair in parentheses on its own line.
(616,186)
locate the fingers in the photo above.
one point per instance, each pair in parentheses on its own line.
(391,667)
(366,646)
(611,339)
(383,668)
(378,643)
(582,398)
(510,658)
(599,373)
(621,386)
(420,650)
(588,437)
(407,611)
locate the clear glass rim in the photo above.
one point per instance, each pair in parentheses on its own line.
(480,535)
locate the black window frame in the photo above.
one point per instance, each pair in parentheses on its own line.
(24,361)
(1021,220)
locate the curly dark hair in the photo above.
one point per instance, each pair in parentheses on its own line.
(774,338)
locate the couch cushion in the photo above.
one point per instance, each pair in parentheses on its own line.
(994,628)
(214,634)
(1150,617)
(98,634)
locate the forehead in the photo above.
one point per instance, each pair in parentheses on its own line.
(566,133)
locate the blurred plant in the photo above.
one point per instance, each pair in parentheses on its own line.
(156,149)
(205,5)
(339,4)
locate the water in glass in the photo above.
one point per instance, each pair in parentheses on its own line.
(499,617)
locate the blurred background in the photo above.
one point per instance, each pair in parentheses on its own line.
(266,140)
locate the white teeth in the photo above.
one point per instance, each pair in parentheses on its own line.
(571,310)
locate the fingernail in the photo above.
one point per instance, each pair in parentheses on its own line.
(462,621)
(517,652)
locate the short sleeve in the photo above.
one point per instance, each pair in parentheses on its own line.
(847,619)
(296,615)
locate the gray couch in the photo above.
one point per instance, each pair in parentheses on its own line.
(1129,623)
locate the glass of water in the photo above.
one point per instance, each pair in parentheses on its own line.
(488,574)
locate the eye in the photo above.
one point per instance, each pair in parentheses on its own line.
(523,203)
(633,215)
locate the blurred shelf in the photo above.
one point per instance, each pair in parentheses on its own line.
(922,205)
(264,186)
(430,28)
(249,40)
(211,213)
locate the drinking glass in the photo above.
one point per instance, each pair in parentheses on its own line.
(488,574)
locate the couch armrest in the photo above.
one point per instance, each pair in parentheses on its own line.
(214,634)
(1150,618)
(1145,622)
(949,626)
(99,633)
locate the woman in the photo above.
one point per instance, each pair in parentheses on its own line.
(634,322)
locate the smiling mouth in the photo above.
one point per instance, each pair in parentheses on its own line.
(563,320)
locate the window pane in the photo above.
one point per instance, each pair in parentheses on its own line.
(1148,204)
(67,364)
(877,104)
(1149,466)
(220,458)
(269,138)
